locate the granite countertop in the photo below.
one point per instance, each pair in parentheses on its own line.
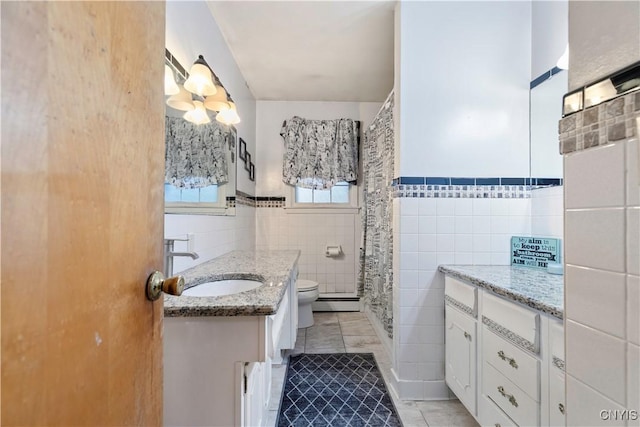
(271,267)
(534,288)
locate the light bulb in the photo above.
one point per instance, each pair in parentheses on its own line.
(198,115)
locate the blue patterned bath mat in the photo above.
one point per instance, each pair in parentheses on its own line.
(344,389)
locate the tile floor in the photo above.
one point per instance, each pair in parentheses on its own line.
(352,333)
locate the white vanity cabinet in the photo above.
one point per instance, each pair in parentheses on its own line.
(460,341)
(217,369)
(508,370)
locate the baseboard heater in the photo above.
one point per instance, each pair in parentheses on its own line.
(336,303)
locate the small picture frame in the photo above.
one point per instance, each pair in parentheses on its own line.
(242,149)
(252,172)
(247,161)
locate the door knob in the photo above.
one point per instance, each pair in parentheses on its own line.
(156,284)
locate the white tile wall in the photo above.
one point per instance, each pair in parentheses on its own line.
(432,232)
(311,233)
(602,287)
(584,406)
(595,178)
(547,212)
(596,358)
(214,235)
(633,309)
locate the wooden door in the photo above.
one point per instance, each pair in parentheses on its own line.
(82,212)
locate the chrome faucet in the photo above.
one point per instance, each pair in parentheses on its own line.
(169,254)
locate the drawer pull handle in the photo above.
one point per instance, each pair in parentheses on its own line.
(467,336)
(511,360)
(498,425)
(561,408)
(512,399)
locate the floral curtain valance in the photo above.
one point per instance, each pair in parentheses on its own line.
(320,153)
(195,154)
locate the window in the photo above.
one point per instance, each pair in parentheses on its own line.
(338,194)
(209,200)
(174,194)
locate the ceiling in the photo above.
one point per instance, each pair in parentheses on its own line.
(311,50)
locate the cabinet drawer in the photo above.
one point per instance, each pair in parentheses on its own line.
(556,398)
(493,416)
(515,364)
(514,402)
(515,323)
(462,296)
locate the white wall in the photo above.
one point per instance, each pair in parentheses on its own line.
(191,31)
(604,37)
(465,69)
(549,34)
(271,114)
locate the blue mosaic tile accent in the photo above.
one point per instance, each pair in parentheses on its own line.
(474,188)
(432,180)
(512,181)
(412,180)
(345,389)
(487,181)
(463,181)
(464,191)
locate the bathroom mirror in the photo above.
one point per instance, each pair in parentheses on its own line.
(212,199)
(545,112)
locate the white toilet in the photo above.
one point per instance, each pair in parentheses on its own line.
(307,294)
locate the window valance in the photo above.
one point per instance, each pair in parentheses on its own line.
(320,153)
(195,154)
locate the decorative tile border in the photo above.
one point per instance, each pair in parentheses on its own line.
(245,199)
(460,306)
(464,191)
(600,125)
(270,202)
(510,335)
(558,363)
(472,188)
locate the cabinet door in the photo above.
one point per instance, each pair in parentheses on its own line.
(460,356)
(556,397)
(253,394)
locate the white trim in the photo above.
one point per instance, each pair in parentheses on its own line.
(321,210)
(198,210)
(334,305)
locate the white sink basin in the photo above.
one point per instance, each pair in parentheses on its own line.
(221,287)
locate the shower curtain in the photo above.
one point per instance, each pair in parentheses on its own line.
(375,283)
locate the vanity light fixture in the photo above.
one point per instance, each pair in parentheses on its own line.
(615,85)
(201,91)
(170,85)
